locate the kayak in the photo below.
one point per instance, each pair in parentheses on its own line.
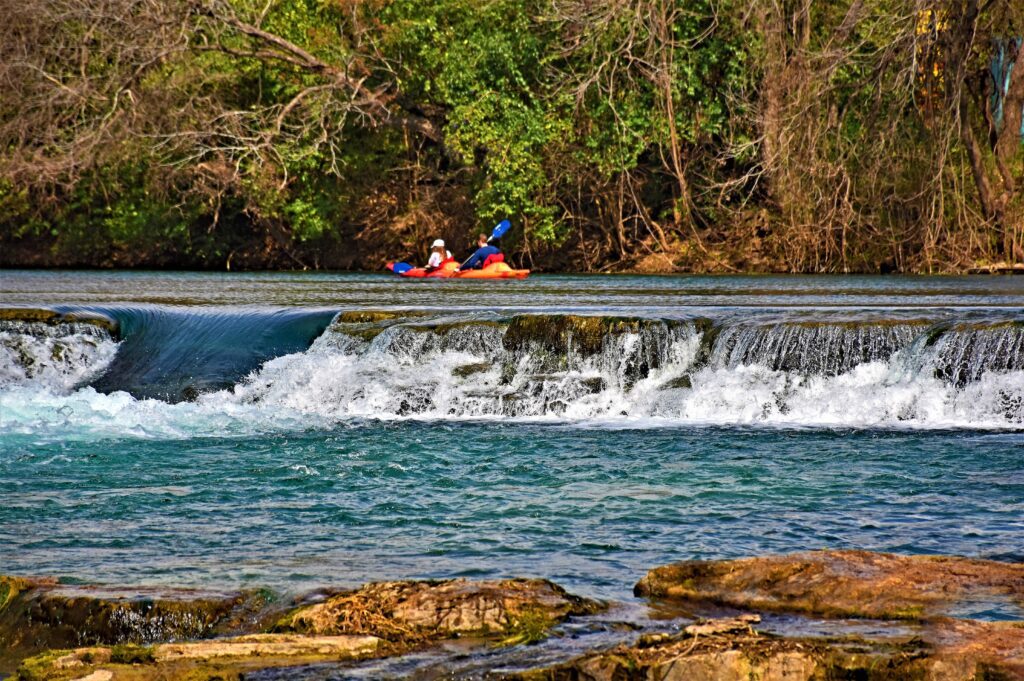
(450,270)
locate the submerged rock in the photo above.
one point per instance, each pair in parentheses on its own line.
(842,583)
(415,611)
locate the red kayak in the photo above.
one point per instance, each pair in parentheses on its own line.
(450,270)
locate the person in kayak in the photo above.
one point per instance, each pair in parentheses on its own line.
(483,251)
(438,255)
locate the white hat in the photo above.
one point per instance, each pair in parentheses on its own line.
(438,243)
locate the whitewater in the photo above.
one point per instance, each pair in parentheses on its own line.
(66,378)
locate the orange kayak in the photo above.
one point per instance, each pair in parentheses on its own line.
(450,270)
(498,270)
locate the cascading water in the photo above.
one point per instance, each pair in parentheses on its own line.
(550,367)
(57,356)
(834,374)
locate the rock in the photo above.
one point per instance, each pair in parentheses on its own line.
(924,590)
(369,316)
(983,653)
(44,316)
(724,625)
(841,583)
(37,615)
(269,645)
(741,658)
(973,645)
(414,611)
(585,336)
(366,324)
(98,675)
(228,658)
(678,383)
(466,370)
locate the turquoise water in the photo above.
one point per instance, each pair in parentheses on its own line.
(228,433)
(590,508)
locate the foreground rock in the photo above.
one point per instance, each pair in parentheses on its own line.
(826,589)
(728,650)
(380,619)
(428,610)
(224,659)
(844,584)
(38,615)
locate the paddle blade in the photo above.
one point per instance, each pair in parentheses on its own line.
(399,267)
(500,229)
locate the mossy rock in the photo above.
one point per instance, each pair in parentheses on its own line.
(41,667)
(369,316)
(934,334)
(50,317)
(559,334)
(25,314)
(413,612)
(132,654)
(40,615)
(10,587)
(709,336)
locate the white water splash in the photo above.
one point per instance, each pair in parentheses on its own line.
(402,374)
(55,356)
(659,375)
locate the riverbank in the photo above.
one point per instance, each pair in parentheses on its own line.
(796,617)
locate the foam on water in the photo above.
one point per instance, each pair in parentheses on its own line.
(649,373)
(52,356)
(651,376)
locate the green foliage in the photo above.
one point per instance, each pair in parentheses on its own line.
(528,627)
(40,667)
(131,654)
(544,109)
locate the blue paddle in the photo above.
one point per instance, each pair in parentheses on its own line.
(400,267)
(499,231)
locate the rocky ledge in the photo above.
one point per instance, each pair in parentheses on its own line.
(845,584)
(842,602)
(380,619)
(817,616)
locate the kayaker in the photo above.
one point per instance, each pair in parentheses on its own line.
(438,254)
(483,251)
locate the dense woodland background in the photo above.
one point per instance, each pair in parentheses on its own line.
(649,135)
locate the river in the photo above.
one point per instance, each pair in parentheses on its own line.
(230,430)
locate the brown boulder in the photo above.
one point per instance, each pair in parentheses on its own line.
(842,583)
(421,610)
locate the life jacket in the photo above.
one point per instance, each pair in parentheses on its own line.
(493,258)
